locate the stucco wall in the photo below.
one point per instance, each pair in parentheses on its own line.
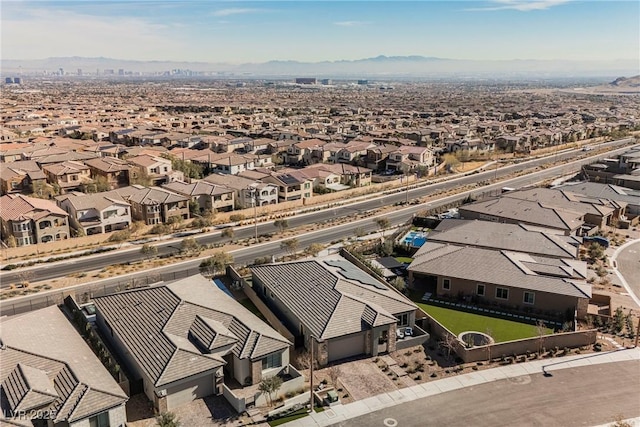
(117,418)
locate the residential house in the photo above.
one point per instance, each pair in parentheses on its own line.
(408,158)
(548,286)
(597,213)
(31,221)
(231,164)
(116,172)
(353,176)
(532,214)
(249,193)
(154,205)
(20,176)
(157,169)
(96,213)
(186,339)
(293,185)
(613,193)
(69,175)
(377,156)
(208,196)
(500,236)
(50,377)
(303,151)
(351,152)
(331,304)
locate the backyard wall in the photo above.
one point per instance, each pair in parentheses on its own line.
(271,318)
(509,348)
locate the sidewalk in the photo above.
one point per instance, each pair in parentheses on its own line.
(342,413)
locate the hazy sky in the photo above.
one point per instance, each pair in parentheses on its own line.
(240,31)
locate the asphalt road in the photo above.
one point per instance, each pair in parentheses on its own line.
(60,269)
(583,396)
(628,261)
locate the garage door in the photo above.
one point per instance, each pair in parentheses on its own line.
(349,346)
(185,393)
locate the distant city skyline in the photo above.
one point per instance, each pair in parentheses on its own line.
(240,32)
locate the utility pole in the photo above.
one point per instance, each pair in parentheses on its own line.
(406,197)
(311,363)
(254,198)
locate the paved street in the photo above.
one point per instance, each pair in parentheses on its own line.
(582,396)
(60,269)
(628,261)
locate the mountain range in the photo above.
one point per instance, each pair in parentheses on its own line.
(376,67)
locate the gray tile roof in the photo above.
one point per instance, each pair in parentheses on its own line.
(526,211)
(503,268)
(561,200)
(512,237)
(161,326)
(599,191)
(47,365)
(328,304)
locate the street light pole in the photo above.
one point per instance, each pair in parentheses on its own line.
(254,201)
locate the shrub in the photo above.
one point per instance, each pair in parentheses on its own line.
(236,217)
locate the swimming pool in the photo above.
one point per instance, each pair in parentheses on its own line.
(415,239)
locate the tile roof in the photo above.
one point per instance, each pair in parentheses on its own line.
(326,302)
(18,207)
(500,267)
(47,365)
(526,211)
(511,237)
(157,326)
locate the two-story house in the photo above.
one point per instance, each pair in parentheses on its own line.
(115,171)
(249,192)
(20,176)
(30,221)
(408,158)
(208,196)
(96,213)
(154,205)
(157,169)
(69,175)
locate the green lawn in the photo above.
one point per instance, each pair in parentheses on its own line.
(404,259)
(460,321)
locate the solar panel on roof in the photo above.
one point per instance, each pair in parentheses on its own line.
(349,271)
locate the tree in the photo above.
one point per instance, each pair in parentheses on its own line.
(120,236)
(596,251)
(269,386)
(541,329)
(149,251)
(190,170)
(167,419)
(291,246)
(216,263)
(451,160)
(313,249)
(175,222)
(382,223)
(11,242)
(487,340)
(281,224)
(141,177)
(227,233)
(190,245)
(359,232)
(399,284)
(304,360)
(449,343)
(135,227)
(160,229)
(194,208)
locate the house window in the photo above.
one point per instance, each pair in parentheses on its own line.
(100,420)
(529,298)
(446,284)
(403,319)
(272,361)
(480,290)
(502,293)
